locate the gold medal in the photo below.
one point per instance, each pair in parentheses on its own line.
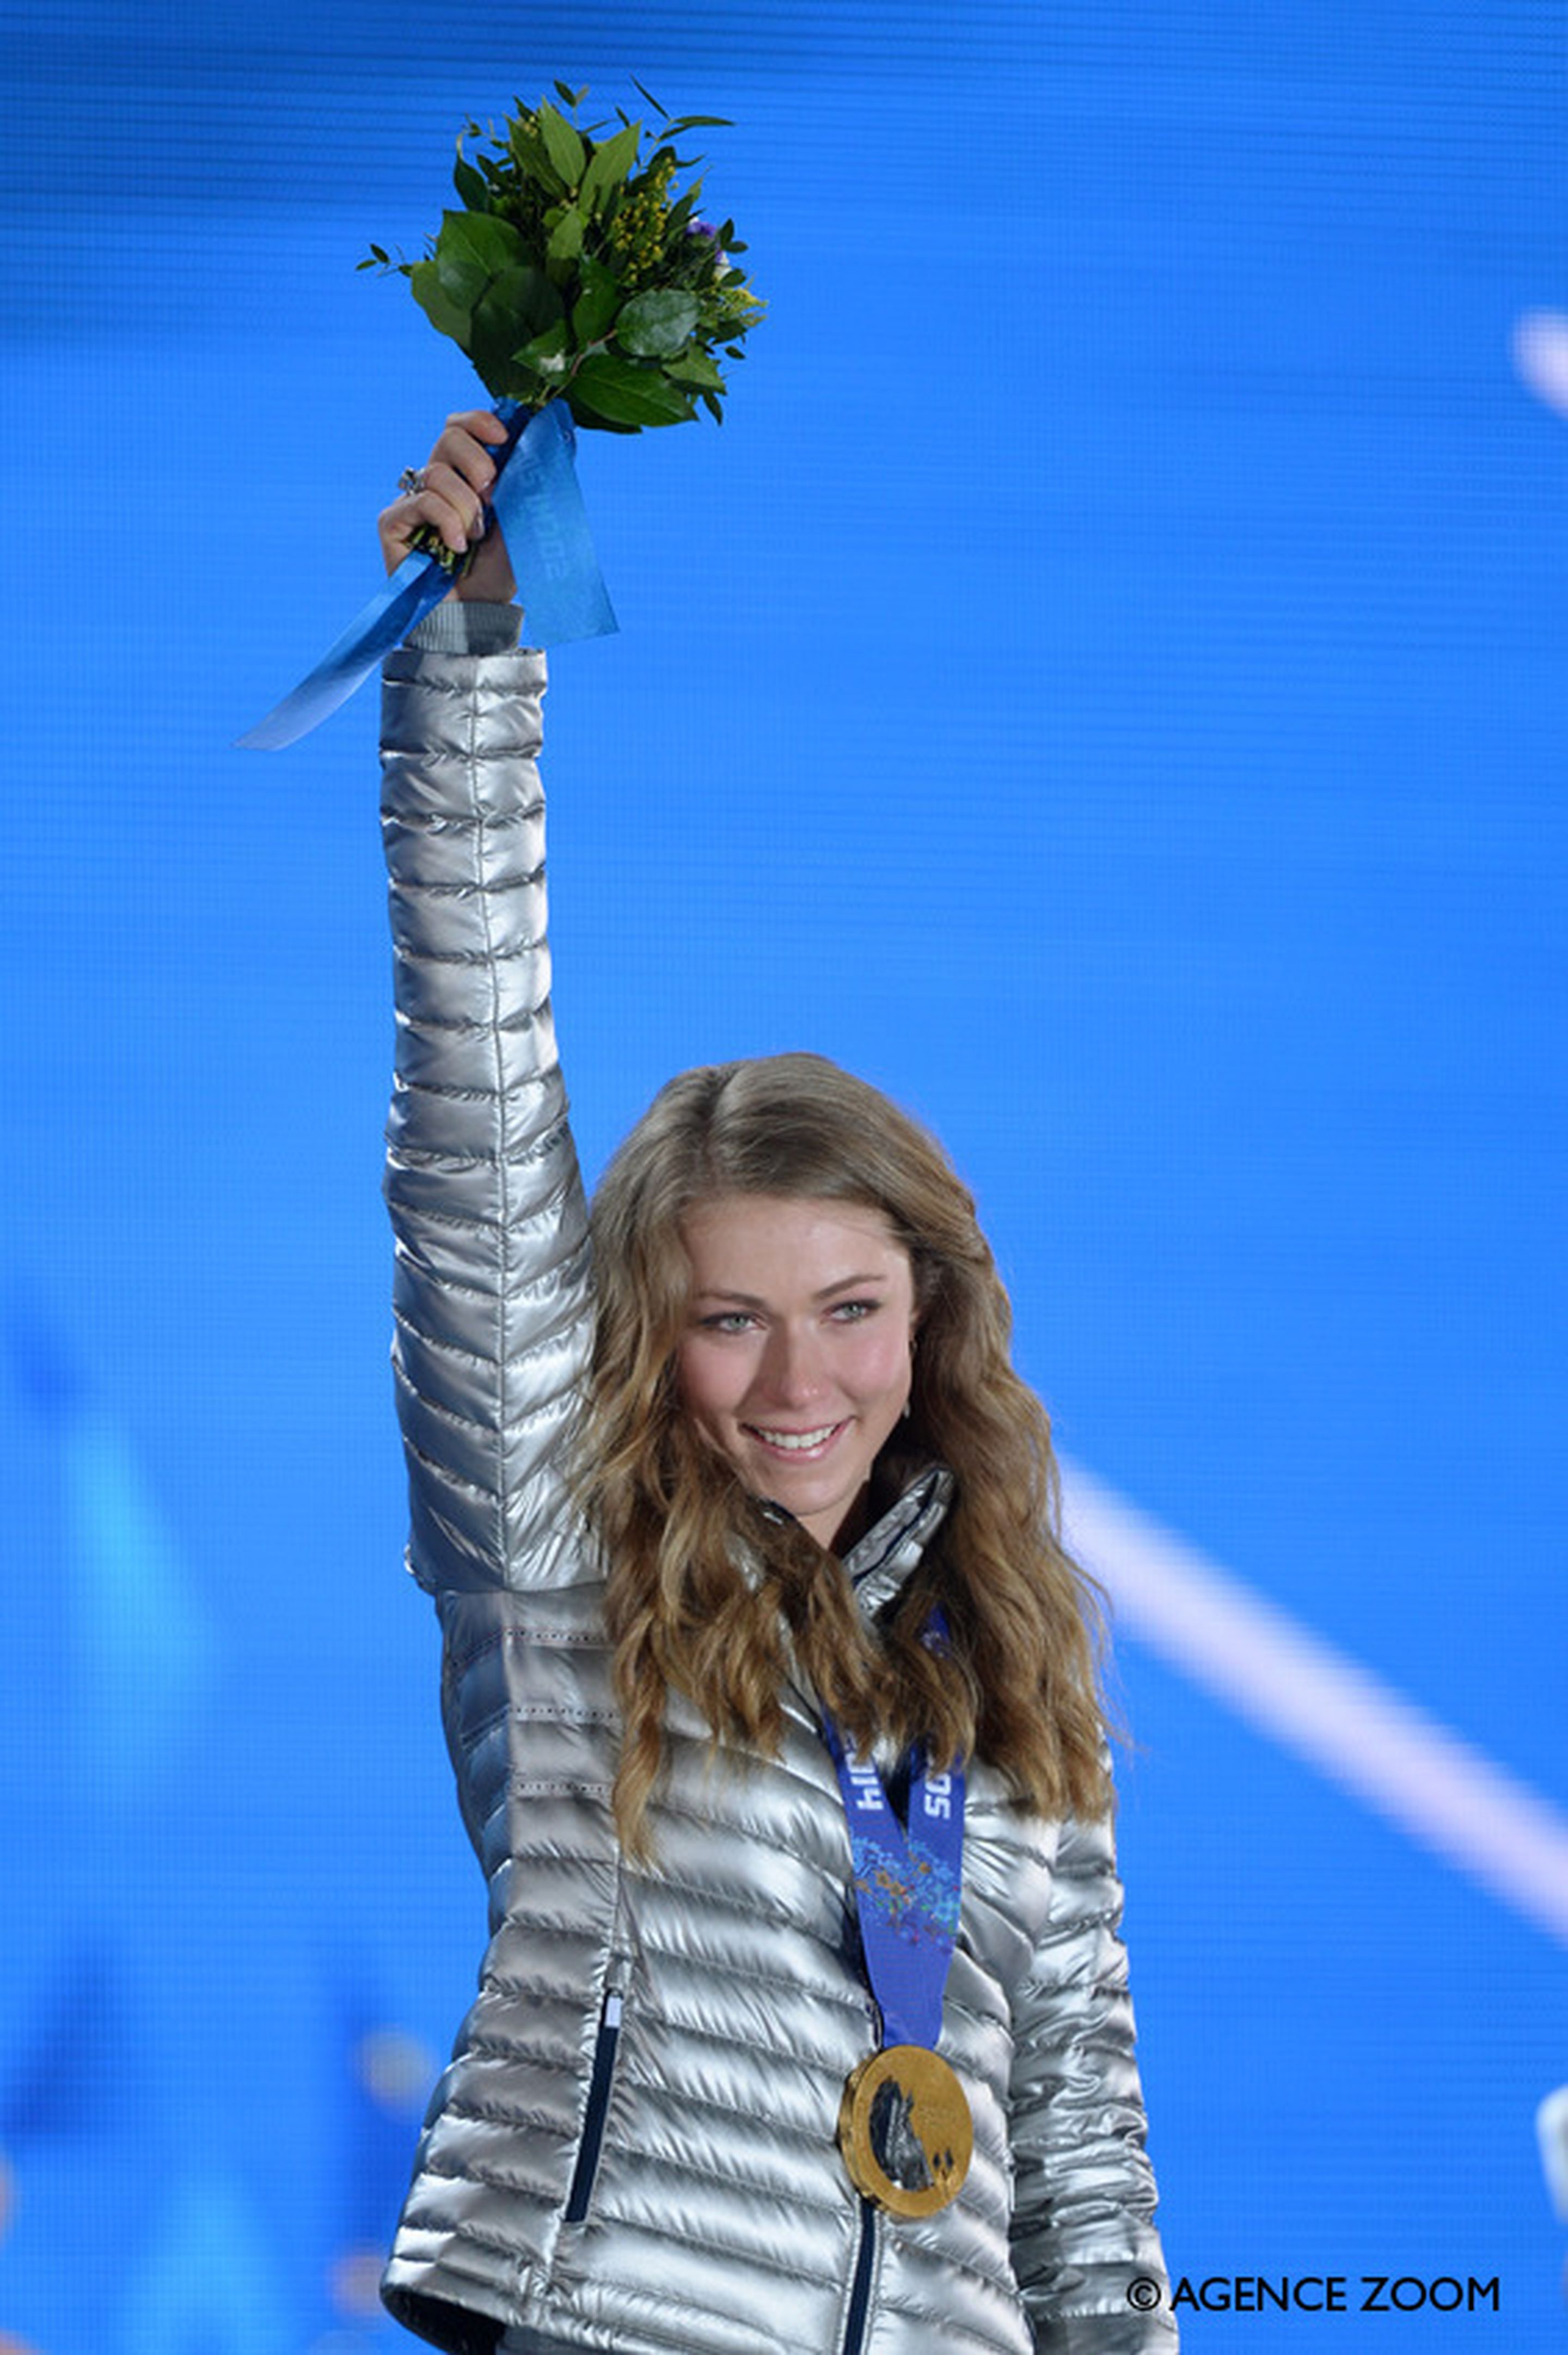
(905,2131)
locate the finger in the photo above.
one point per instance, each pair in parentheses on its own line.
(462,446)
(443,498)
(398,523)
(483,423)
(393,525)
(448,492)
(460,495)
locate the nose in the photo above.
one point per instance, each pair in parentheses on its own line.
(792,1367)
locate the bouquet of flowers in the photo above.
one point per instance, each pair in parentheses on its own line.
(576,271)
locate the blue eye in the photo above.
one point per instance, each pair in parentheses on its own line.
(726,1320)
(850,1312)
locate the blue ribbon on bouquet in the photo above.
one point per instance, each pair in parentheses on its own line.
(537,505)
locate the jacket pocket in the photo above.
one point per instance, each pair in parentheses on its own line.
(599,2086)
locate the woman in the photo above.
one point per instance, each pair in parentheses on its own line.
(760,1511)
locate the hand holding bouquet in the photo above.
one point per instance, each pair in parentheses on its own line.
(582,284)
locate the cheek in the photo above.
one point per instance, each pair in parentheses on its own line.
(688,1376)
(886,1370)
(704,1381)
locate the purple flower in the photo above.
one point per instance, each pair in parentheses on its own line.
(709,230)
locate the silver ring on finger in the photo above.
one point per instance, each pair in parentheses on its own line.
(411,482)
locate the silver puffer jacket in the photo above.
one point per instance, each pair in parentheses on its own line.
(633,2149)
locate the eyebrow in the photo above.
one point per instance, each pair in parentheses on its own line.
(751,1300)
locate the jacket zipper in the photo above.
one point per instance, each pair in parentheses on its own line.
(599,2085)
(860,2285)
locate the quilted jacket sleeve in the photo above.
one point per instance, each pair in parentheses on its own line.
(491,1296)
(1084,2246)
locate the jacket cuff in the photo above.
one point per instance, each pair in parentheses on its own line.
(456,627)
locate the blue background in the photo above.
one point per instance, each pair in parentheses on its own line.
(1103,682)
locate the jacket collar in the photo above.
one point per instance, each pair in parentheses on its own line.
(878,1563)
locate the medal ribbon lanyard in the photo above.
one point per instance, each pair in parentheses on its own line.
(908,1884)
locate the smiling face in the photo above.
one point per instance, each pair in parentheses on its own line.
(794,1363)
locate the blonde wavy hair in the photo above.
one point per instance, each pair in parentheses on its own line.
(709,1592)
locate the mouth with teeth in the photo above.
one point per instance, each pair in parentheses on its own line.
(796,1443)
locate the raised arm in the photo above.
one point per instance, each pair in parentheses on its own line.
(491,1298)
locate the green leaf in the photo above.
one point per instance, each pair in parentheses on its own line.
(593,313)
(472,249)
(628,395)
(548,355)
(564,148)
(607,167)
(452,318)
(527,152)
(697,369)
(572,97)
(526,384)
(489,313)
(581,415)
(656,325)
(518,305)
(565,239)
(697,122)
(653,102)
(471,185)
